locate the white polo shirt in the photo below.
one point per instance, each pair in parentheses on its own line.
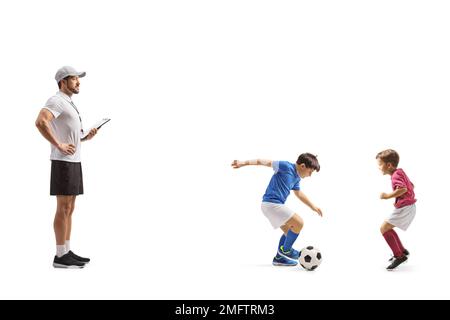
(66,126)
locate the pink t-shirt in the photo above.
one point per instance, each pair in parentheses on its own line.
(401,180)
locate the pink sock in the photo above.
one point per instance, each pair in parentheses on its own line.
(391,239)
(398,240)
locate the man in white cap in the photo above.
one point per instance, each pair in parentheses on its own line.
(60,123)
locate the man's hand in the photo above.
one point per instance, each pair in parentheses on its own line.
(66,148)
(91,134)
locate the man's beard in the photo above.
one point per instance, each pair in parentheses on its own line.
(75,90)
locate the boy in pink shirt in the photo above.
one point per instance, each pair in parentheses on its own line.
(405,208)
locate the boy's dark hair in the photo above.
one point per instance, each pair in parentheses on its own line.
(389,156)
(309,160)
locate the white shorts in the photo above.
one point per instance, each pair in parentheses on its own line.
(278,214)
(402,217)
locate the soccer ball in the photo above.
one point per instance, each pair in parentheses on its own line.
(310,258)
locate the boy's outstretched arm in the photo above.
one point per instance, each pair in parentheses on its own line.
(303,198)
(256,162)
(397,193)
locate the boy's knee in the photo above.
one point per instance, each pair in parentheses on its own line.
(298,225)
(384,228)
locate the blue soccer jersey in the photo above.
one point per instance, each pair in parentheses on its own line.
(283,181)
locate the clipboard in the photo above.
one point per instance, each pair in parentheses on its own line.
(97,125)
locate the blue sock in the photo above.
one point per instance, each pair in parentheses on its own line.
(290,239)
(282,240)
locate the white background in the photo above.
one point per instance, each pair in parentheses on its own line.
(192,85)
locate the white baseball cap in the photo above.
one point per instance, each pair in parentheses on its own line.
(67,71)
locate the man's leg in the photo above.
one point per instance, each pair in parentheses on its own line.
(62,216)
(69,232)
(69,224)
(63,210)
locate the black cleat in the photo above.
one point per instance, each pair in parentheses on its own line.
(406,253)
(66,261)
(396,262)
(78,258)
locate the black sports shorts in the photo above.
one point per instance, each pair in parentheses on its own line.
(66,178)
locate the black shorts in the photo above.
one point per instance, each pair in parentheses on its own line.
(66,178)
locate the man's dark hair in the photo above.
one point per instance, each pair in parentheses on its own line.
(389,156)
(309,160)
(59,83)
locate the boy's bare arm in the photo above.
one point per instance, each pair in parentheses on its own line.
(397,193)
(256,162)
(303,198)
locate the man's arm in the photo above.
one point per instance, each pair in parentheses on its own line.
(43,124)
(303,198)
(256,162)
(397,193)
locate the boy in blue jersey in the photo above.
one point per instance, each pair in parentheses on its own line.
(287,177)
